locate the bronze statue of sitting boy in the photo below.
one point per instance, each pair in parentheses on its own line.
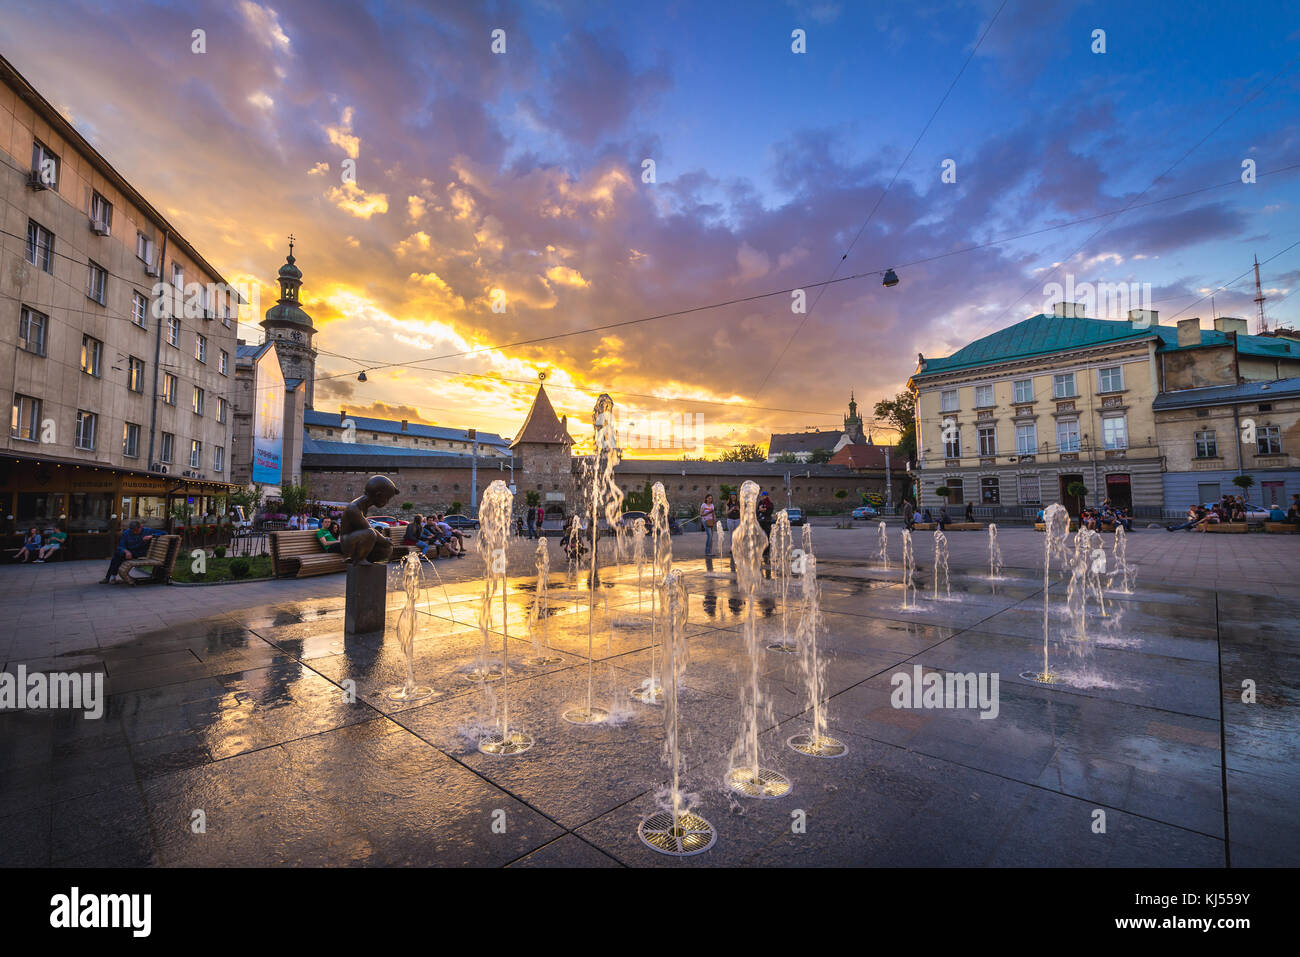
(360,543)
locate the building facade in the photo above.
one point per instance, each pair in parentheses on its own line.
(122,340)
(1014,421)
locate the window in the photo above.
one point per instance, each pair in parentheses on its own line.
(196,454)
(1063,386)
(169,388)
(948,400)
(1266,407)
(990,493)
(988,440)
(98,285)
(178,277)
(31,330)
(1268,440)
(86,430)
(1114,432)
(221,409)
(144,248)
(225,321)
(218,459)
(1024,390)
(196,403)
(1207,444)
(1067,435)
(224,365)
(130,440)
(1026,439)
(952,447)
(166,447)
(173,332)
(954,491)
(92,351)
(201,348)
(1029,494)
(45,164)
(25,422)
(135,374)
(1110,379)
(139,309)
(40,246)
(983,396)
(101,213)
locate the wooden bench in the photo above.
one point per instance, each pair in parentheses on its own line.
(159,558)
(924,527)
(1227,528)
(964,527)
(297,554)
(1281,528)
(1042,527)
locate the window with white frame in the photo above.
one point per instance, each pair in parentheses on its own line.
(196,403)
(218,459)
(25,423)
(1067,435)
(1024,390)
(86,422)
(166,447)
(1114,432)
(990,490)
(201,348)
(143,248)
(1026,438)
(1268,440)
(173,332)
(221,409)
(1063,386)
(139,309)
(130,440)
(1207,444)
(178,277)
(101,212)
(196,454)
(1110,379)
(169,388)
(31,330)
(952,444)
(948,400)
(135,374)
(983,396)
(1029,492)
(224,365)
(98,287)
(92,352)
(987,436)
(45,164)
(40,246)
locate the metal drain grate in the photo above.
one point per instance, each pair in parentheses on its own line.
(1039,677)
(785,647)
(542,661)
(818,747)
(768,784)
(585,716)
(418,693)
(690,835)
(481,674)
(514,742)
(645,695)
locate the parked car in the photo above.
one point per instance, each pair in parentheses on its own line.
(386,520)
(1255,514)
(460,521)
(795,515)
(865,511)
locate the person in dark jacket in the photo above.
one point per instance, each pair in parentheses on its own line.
(765,509)
(133,544)
(909,514)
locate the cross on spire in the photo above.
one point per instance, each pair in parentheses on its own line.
(291,244)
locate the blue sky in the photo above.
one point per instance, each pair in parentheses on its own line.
(522,172)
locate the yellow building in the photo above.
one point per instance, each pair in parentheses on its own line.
(1013,421)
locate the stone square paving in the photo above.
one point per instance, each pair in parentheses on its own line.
(237,701)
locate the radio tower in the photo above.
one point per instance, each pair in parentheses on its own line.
(1259,301)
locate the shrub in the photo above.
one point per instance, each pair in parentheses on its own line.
(239,567)
(1077,489)
(1244,482)
(407,506)
(841,493)
(943,491)
(455,508)
(219,551)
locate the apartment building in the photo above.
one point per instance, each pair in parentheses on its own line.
(117,338)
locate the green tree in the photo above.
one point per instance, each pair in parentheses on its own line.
(744,453)
(294,497)
(900,412)
(786,458)
(532,498)
(639,501)
(820,456)
(1244,482)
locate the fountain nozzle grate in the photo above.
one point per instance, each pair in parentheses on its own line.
(690,834)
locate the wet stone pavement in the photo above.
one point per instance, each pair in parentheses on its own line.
(263,736)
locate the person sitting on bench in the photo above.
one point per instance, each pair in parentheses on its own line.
(328,536)
(54,540)
(132,544)
(31,548)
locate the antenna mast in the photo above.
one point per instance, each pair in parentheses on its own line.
(1259,301)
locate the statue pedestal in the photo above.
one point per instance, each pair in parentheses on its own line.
(365,598)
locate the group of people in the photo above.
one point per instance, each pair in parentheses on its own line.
(39,547)
(432,531)
(730,517)
(534,518)
(1108,514)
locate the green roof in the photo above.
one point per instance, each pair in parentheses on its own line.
(1044,335)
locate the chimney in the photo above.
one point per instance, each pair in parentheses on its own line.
(403,425)
(1068,310)
(343,414)
(1230,324)
(1144,318)
(1189,332)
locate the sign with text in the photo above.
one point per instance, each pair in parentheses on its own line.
(268,420)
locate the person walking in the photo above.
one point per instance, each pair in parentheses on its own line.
(909,514)
(541,522)
(132,544)
(765,510)
(532,522)
(708,522)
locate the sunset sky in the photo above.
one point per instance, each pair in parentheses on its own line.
(522,171)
